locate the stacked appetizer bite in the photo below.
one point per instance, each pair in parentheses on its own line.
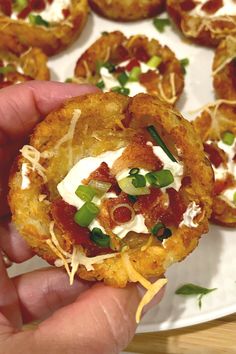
(123,10)
(205,21)
(131,66)
(30,65)
(224,69)
(217,128)
(48,24)
(115,188)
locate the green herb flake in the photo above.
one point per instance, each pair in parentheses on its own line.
(37,20)
(192,289)
(161,23)
(184,63)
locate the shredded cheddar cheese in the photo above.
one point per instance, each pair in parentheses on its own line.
(134,276)
(231,54)
(33,156)
(173,97)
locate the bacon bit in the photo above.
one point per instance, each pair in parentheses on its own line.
(137,153)
(187,5)
(121,54)
(122,214)
(186,181)
(103,173)
(37,5)
(212,6)
(216,155)
(63,215)
(222,185)
(163,67)
(152,206)
(176,208)
(107,207)
(6,7)
(232,72)
(24,13)
(149,80)
(132,64)
(66,13)
(141,54)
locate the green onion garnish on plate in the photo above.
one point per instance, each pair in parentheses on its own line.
(161,23)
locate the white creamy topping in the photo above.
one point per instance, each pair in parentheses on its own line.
(136,225)
(24,174)
(52,12)
(81,170)
(228,194)
(176,168)
(228,9)
(192,211)
(221,171)
(134,86)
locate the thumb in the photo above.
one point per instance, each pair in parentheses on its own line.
(102,320)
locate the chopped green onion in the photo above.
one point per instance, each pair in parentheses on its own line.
(20,5)
(152,131)
(123,78)
(234,198)
(127,186)
(160,179)
(98,237)
(109,66)
(122,90)
(69,80)
(138,181)
(105,33)
(166,233)
(192,289)
(135,73)
(228,138)
(154,62)
(7,69)
(100,84)
(134,171)
(85,193)
(159,226)
(100,186)
(183,63)
(161,23)
(85,215)
(132,198)
(38,20)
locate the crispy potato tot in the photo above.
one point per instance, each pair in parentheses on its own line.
(131,10)
(51,36)
(165,80)
(224,69)
(215,121)
(30,65)
(88,126)
(203,21)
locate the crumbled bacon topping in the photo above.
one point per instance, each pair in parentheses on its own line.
(212,6)
(188,5)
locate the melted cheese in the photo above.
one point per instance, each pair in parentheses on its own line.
(25,169)
(33,156)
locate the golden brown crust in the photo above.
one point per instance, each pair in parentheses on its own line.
(116,48)
(51,40)
(208,128)
(202,30)
(96,136)
(30,65)
(131,10)
(224,69)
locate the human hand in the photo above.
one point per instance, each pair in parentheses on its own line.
(83,318)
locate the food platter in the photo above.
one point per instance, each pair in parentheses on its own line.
(212,265)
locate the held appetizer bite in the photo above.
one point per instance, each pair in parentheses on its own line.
(224,69)
(48,24)
(113,188)
(31,65)
(131,66)
(217,128)
(123,10)
(205,21)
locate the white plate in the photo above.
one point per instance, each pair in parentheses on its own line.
(213,263)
